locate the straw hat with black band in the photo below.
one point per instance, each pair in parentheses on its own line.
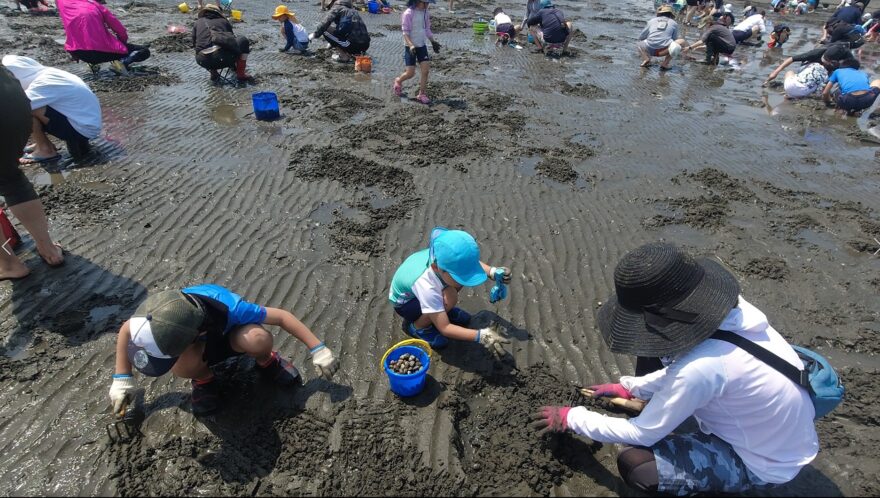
(666,301)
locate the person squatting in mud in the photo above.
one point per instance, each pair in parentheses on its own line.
(216,45)
(415,22)
(190,330)
(717,38)
(62,105)
(349,36)
(660,38)
(88,25)
(829,56)
(851,89)
(295,35)
(752,25)
(756,424)
(424,291)
(16,189)
(505,30)
(36,7)
(555,32)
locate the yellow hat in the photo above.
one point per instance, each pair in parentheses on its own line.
(281,10)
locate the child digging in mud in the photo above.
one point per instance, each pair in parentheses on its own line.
(187,331)
(424,291)
(296,37)
(415,22)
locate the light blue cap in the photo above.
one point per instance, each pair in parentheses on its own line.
(546,3)
(456,252)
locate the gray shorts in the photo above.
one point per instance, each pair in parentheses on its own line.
(695,463)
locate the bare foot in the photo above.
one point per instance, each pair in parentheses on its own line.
(53,256)
(14,271)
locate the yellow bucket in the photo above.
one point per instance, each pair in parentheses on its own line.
(183,8)
(236,15)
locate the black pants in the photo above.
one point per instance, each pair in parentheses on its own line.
(223,57)
(714,47)
(59,126)
(350,47)
(137,53)
(15,128)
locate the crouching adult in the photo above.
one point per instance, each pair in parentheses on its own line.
(660,38)
(95,36)
(62,105)
(344,30)
(756,424)
(216,45)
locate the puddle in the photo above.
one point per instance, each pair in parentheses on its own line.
(228,114)
(331,211)
(51,178)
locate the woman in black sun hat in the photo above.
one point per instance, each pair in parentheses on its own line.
(756,425)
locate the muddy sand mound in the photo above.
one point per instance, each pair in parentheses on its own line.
(138,80)
(175,42)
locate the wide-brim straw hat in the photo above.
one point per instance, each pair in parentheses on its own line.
(666,301)
(282,10)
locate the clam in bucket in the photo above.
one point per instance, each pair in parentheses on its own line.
(266,106)
(409,384)
(363,63)
(183,8)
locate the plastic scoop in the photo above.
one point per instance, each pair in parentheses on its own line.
(499,290)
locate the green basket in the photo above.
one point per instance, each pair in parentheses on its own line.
(480,27)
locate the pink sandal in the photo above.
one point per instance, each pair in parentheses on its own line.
(398,88)
(423,99)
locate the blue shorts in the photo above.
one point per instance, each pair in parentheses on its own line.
(410,310)
(59,126)
(421,56)
(699,463)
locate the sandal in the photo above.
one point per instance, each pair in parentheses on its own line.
(29,158)
(397,88)
(423,99)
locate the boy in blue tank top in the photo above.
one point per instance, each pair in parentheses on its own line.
(187,331)
(424,291)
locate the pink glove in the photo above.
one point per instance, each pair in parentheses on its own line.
(610,391)
(550,419)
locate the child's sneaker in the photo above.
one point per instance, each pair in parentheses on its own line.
(118,68)
(205,397)
(458,316)
(430,335)
(280,371)
(423,99)
(397,87)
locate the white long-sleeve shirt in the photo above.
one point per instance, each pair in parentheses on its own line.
(761,413)
(751,21)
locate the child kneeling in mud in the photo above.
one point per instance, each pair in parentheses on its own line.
(187,331)
(424,291)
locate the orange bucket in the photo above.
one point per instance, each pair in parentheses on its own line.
(363,63)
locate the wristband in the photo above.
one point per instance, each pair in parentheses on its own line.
(122,376)
(479,333)
(492,271)
(317,348)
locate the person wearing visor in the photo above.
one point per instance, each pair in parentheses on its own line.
(188,331)
(424,291)
(756,425)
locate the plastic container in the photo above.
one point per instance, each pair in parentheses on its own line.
(266,106)
(373,7)
(236,15)
(410,384)
(531,38)
(480,27)
(183,8)
(363,63)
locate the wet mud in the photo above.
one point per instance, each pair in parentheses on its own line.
(557,165)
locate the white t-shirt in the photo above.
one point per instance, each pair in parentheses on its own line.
(807,81)
(502,18)
(60,90)
(765,416)
(749,22)
(428,288)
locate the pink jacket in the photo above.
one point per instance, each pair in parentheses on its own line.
(406,21)
(86,23)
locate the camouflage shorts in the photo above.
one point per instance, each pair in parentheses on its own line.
(694,463)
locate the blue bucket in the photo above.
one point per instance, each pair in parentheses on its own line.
(266,106)
(410,384)
(373,7)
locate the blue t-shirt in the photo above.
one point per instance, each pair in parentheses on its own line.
(225,309)
(850,80)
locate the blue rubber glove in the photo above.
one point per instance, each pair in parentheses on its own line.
(499,290)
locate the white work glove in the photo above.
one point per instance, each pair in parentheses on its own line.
(505,279)
(121,392)
(311,36)
(325,363)
(491,338)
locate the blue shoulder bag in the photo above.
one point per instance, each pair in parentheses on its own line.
(817,377)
